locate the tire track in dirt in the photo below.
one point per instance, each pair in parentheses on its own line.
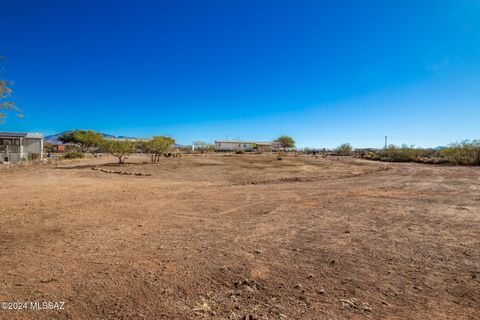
(307,179)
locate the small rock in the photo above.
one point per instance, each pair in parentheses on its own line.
(298,286)
(248,288)
(349,303)
(366,307)
(332,262)
(321,291)
(258,251)
(310,276)
(47,280)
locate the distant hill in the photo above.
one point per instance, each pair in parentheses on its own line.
(54,137)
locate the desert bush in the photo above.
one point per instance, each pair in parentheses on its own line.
(74,155)
(344,149)
(239,152)
(465,152)
(402,154)
(462,153)
(407,154)
(399,154)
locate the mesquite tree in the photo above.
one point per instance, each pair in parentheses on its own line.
(119,148)
(7,106)
(156,146)
(85,139)
(285,142)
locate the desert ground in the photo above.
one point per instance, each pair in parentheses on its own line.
(241,237)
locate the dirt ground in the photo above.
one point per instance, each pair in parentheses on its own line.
(241,237)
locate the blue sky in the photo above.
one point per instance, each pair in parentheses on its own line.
(324,72)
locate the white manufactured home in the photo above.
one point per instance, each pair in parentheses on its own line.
(226,146)
(18,146)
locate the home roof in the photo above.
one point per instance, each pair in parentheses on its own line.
(21,135)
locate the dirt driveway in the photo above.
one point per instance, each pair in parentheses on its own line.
(241,237)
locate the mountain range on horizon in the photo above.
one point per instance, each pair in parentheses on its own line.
(54,138)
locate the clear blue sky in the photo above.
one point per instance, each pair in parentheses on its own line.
(325,72)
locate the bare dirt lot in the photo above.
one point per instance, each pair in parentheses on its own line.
(241,237)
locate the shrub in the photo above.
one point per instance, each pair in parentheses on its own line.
(462,153)
(239,152)
(407,154)
(344,149)
(402,154)
(465,152)
(399,154)
(74,155)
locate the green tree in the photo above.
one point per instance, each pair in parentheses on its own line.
(85,139)
(120,149)
(285,142)
(156,146)
(344,149)
(5,105)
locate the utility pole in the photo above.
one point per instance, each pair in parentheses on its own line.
(386,142)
